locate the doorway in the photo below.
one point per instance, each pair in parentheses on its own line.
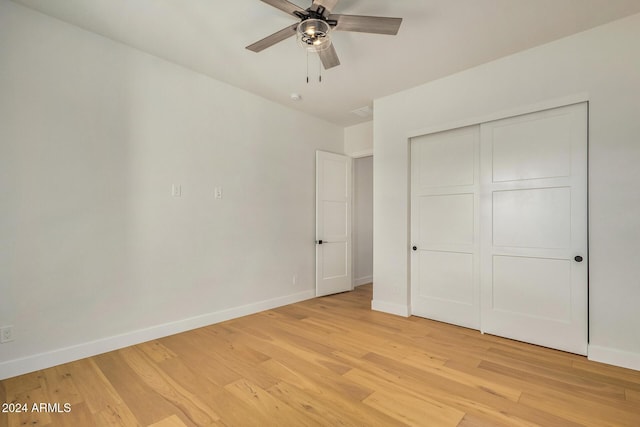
(362,220)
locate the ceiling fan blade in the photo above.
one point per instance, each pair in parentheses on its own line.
(329,57)
(274,38)
(367,24)
(285,6)
(328,5)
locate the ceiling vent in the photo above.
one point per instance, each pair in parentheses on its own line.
(363,112)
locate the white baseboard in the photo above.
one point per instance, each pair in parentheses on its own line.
(612,356)
(391,308)
(363,281)
(36,362)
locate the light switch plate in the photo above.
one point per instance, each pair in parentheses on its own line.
(6,334)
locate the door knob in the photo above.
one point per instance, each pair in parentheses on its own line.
(578,258)
(319,242)
(415,248)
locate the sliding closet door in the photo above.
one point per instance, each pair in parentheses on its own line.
(534,228)
(444,226)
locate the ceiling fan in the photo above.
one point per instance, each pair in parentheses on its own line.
(316,23)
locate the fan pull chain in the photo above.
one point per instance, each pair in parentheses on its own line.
(319,68)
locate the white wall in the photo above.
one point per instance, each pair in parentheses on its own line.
(601,65)
(363,220)
(358,140)
(94,252)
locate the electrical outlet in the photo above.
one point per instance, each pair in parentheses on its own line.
(176,190)
(294,280)
(6,334)
(217,192)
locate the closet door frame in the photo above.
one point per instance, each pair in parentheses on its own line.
(499,115)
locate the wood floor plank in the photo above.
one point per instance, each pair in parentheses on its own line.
(292,376)
(403,404)
(188,377)
(130,387)
(267,406)
(633,396)
(621,378)
(459,348)
(411,410)
(322,409)
(308,406)
(156,351)
(303,347)
(59,387)
(189,348)
(230,409)
(409,355)
(29,416)
(119,415)
(449,374)
(316,395)
(556,380)
(224,344)
(172,421)
(18,385)
(473,420)
(330,361)
(493,387)
(240,359)
(316,373)
(471,400)
(79,415)
(591,414)
(190,405)
(606,371)
(532,354)
(558,391)
(94,387)
(233,411)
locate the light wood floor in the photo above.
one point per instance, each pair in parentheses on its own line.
(332,362)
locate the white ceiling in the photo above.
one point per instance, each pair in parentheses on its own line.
(437,38)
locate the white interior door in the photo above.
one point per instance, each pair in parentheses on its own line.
(534,228)
(333,223)
(444,226)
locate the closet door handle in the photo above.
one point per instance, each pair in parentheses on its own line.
(578,258)
(415,248)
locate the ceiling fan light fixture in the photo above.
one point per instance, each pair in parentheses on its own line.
(314,34)
(313,31)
